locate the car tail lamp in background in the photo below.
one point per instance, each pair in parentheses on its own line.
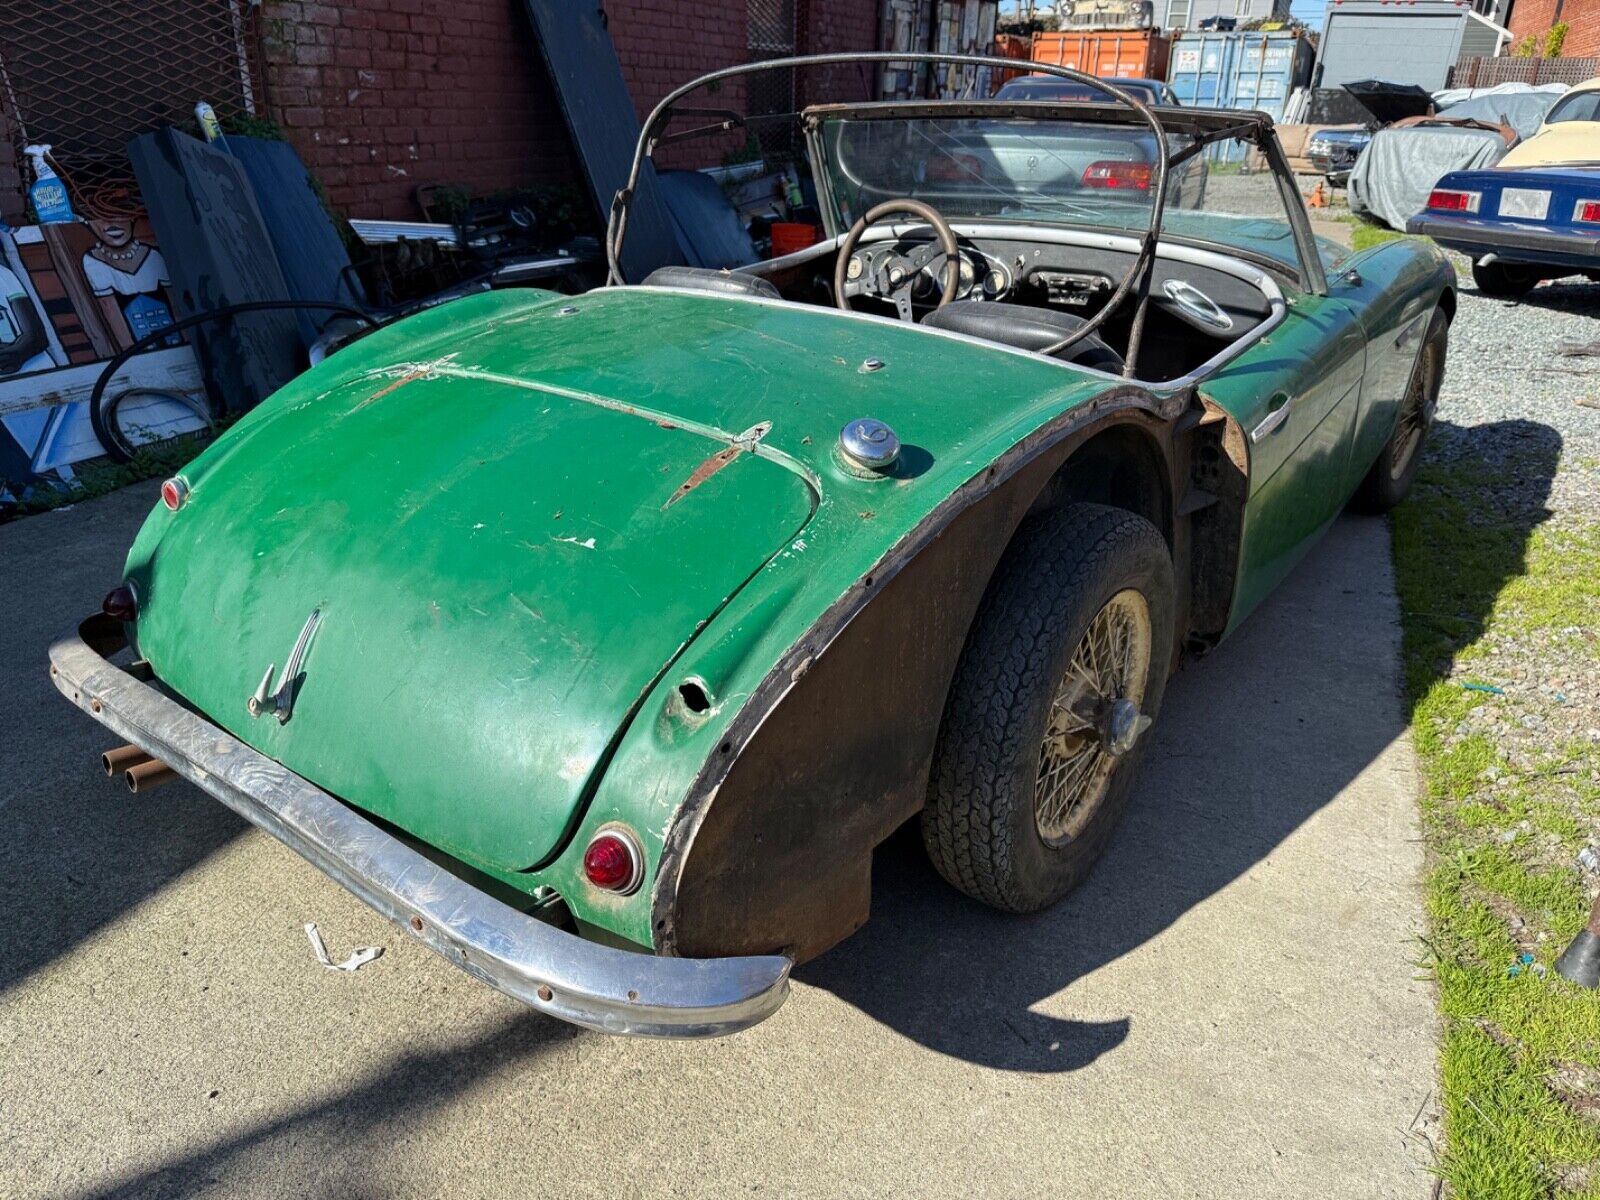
(1588,211)
(121,603)
(613,861)
(1111,174)
(174,492)
(1446,200)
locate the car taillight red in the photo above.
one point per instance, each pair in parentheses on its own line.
(174,492)
(1134,175)
(613,861)
(121,603)
(1588,211)
(1446,200)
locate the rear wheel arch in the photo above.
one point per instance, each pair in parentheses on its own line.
(776,852)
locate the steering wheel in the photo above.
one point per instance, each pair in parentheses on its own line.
(896,275)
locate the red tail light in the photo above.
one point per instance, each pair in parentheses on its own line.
(1587,211)
(958,168)
(613,861)
(1112,174)
(1446,200)
(121,603)
(174,492)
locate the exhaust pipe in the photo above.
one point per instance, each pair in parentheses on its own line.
(119,760)
(148,775)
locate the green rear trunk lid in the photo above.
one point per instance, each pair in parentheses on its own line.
(501,570)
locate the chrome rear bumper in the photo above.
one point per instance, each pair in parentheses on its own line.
(556,972)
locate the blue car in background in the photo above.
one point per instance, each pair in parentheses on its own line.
(1520,225)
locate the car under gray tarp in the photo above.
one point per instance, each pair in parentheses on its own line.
(1522,107)
(1392,178)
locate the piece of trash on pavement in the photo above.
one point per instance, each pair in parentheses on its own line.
(1487,688)
(358,959)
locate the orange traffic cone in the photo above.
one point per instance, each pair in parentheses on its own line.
(1319,197)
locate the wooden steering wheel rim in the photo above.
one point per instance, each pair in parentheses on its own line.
(947,243)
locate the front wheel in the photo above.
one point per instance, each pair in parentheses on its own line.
(1048,715)
(1506,281)
(1390,478)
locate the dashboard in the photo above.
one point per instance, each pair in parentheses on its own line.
(983,276)
(1076,279)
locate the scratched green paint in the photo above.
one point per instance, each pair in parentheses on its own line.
(477,498)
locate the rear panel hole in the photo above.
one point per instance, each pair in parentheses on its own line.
(694,696)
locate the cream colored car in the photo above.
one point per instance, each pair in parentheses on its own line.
(1570,133)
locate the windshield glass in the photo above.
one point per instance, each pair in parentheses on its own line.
(1580,106)
(1066,172)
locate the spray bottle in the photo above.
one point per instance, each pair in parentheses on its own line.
(48,193)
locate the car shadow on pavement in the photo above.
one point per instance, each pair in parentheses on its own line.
(79,849)
(1253,740)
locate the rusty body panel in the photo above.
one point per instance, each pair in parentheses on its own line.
(774,851)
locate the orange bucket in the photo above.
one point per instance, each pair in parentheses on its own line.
(788,237)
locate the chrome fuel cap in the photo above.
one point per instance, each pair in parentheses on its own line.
(870,444)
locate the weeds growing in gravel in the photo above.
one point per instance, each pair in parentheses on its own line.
(1492,598)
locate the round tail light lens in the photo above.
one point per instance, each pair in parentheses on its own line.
(121,603)
(174,492)
(613,861)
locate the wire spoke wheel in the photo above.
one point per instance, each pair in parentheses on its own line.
(1094,717)
(1416,413)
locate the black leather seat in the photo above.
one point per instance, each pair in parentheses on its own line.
(1026,328)
(704,279)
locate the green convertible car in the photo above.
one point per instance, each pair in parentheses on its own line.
(597,641)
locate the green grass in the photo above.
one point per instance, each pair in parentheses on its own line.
(1365,235)
(1515,1039)
(100,478)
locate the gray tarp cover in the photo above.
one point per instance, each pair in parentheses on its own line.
(1524,111)
(1398,169)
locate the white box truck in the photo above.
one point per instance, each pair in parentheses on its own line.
(1400,41)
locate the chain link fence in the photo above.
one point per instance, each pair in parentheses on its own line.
(773,31)
(85,76)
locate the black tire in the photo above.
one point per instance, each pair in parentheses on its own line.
(979,825)
(1506,281)
(1391,477)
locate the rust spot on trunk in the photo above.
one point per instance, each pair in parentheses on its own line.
(702,473)
(395,386)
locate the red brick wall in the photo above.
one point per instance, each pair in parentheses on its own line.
(1535,17)
(381,96)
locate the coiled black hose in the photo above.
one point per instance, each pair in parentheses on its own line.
(102,413)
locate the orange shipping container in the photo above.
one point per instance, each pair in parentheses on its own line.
(1107,53)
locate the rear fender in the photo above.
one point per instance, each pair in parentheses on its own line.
(773,845)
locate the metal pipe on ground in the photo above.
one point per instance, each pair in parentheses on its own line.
(119,760)
(147,776)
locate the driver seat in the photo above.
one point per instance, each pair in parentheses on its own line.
(1027,328)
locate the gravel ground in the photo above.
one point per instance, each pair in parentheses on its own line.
(1512,404)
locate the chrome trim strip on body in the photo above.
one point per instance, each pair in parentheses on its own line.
(556,972)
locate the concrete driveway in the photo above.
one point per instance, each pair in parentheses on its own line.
(1229,1007)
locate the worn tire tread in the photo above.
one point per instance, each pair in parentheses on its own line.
(1008,660)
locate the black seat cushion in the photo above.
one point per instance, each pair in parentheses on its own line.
(703,279)
(1025,327)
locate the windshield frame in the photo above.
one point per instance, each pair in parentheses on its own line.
(1204,125)
(1201,126)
